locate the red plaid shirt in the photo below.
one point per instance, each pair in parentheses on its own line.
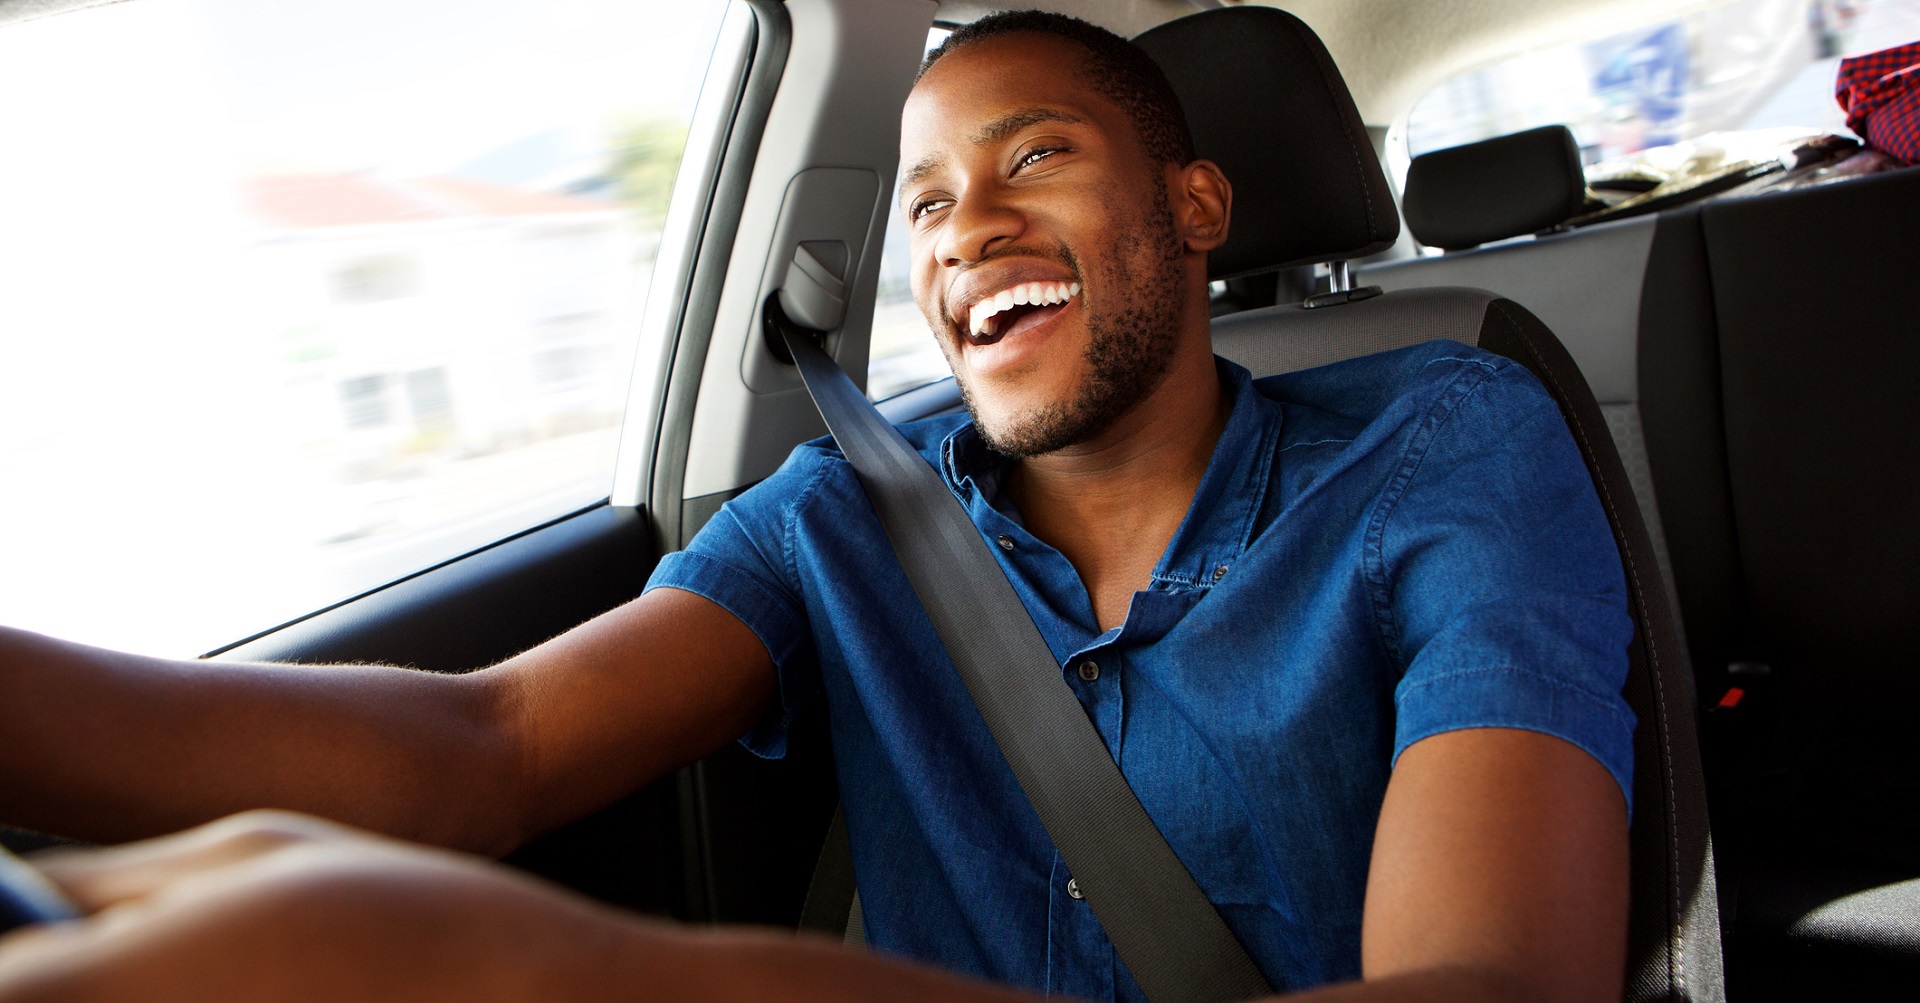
(1880,93)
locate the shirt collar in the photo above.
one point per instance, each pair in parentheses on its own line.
(1219,524)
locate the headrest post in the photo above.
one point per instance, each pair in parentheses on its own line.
(1340,278)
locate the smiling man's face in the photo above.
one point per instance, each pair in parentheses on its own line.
(1047,257)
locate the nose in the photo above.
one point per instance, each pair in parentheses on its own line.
(977,225)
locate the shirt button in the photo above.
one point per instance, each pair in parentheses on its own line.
(1089,670)
(1219,572)
(1005,541)
(1073,889)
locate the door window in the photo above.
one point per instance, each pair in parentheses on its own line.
(301,298)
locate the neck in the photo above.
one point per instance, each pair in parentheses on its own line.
(1161,443)
(1112,505)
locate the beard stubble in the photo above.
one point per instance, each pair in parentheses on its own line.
(1132,341)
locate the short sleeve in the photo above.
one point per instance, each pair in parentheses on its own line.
(741,559)
(1496,579)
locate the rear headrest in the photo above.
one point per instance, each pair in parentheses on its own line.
(1265,103)
(1494,189)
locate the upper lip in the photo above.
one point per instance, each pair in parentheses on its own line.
(974,286)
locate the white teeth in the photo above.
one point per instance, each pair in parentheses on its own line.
(1024,294)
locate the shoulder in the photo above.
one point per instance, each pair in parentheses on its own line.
(1393,404)
(1411,379)
(927,436)
(817,471)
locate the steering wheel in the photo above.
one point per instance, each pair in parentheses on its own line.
(27,897)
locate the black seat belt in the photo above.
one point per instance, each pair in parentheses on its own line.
(1164,928)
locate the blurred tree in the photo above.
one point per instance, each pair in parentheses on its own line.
(646,156)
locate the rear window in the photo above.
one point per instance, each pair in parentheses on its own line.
(1736,67)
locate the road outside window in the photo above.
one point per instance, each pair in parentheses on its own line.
(302,298)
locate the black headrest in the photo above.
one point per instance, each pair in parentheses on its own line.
(1265,103)
(1495,189)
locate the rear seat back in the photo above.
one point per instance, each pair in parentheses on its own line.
(1780,355)
(1807,337)
(1584,284)
(1758,362)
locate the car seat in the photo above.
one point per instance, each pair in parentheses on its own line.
(1266,103)
(1778,356)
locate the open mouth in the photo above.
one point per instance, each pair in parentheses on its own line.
(1016,309)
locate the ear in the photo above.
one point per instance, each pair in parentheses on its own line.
(1202,204)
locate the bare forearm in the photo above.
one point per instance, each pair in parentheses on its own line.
(272,906)
(109,746)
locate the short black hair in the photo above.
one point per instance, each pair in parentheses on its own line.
(1120,71)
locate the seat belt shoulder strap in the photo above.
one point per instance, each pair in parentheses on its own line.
(1170,936)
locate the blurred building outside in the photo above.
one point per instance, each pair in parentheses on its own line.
(423,323)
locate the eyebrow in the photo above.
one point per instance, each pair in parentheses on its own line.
(993,132)
(1014,121)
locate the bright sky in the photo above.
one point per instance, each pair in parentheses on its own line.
(435,82)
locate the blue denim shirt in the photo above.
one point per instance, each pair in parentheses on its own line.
(1380,550)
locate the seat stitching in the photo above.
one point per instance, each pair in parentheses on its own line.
(1432,421)
(1676,941)
(1316,442)
(1321,63)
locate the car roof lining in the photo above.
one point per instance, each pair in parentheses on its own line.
(1390,62)
(27,10)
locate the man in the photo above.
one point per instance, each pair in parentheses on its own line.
(1378,721)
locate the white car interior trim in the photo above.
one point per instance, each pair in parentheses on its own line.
(27,10)
(849,67)
(840,208)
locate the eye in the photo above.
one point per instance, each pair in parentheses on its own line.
(1034,156)
(923,206)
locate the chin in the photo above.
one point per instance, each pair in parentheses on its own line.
(1020,431)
